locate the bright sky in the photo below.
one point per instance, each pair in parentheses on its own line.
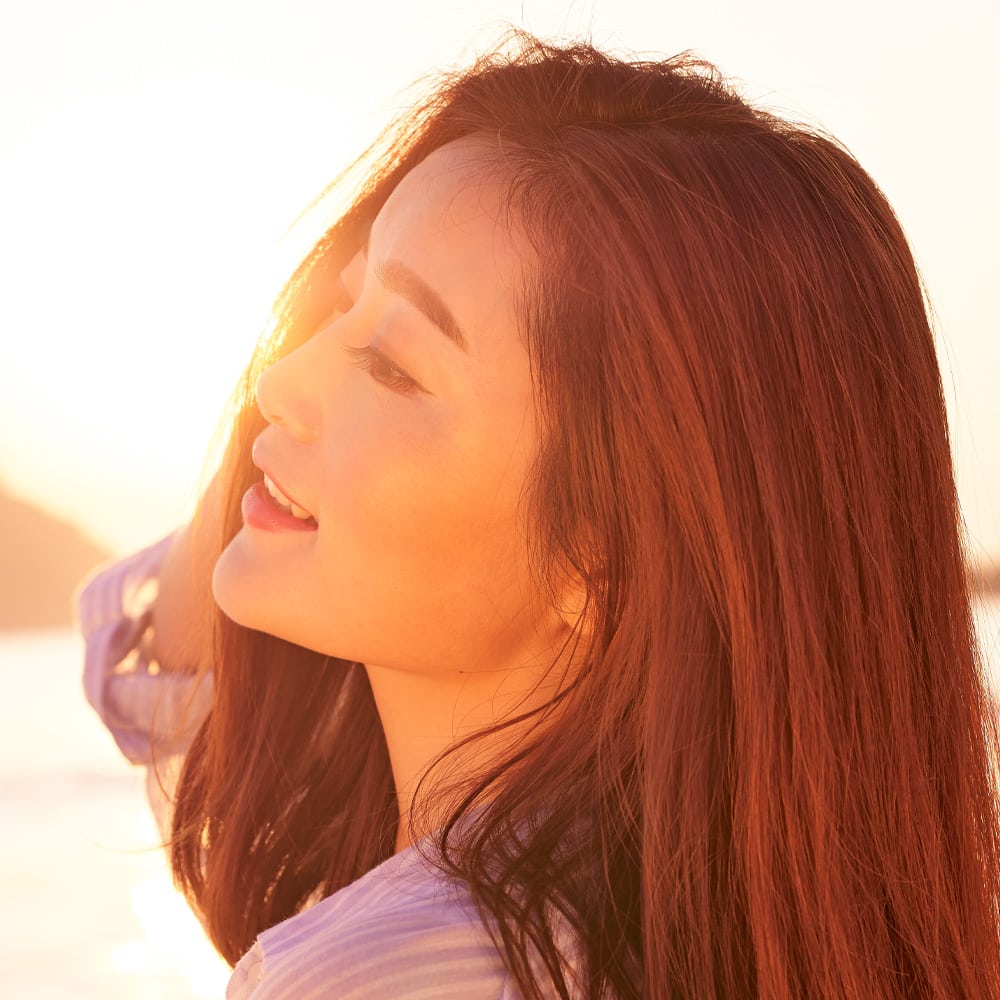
(152,155)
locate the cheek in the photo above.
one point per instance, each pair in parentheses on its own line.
(421,505)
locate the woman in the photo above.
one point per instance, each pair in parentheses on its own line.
(592,597)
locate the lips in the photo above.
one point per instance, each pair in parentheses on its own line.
(261,511)
(269,502)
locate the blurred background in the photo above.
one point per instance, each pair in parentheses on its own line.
(152,157)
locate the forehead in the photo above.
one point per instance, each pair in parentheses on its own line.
(446,221)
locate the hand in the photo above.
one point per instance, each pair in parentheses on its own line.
(184,610)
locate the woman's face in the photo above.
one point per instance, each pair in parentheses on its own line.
(406,427)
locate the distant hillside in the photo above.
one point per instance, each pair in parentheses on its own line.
(41,560)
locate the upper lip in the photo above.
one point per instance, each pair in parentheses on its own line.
(262,465)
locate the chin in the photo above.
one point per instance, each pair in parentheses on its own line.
(234,588)
(253,598)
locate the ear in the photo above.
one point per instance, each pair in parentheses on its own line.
(576,604)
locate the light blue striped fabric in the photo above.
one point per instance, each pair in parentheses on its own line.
(134,699)
(400,931)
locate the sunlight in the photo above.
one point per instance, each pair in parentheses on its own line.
(148,181)
(172,943)
(153,294)
(173,940)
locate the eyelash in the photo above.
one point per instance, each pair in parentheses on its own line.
(374,363)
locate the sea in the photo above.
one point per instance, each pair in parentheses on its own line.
(87,907)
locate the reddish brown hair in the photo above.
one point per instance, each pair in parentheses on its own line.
(774,774)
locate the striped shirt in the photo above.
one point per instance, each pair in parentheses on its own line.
(402,930)
(398,931)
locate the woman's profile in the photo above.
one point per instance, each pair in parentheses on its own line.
(579,610)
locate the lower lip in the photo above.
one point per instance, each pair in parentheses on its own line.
(260,511)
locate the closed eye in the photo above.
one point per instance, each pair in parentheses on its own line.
(372,361)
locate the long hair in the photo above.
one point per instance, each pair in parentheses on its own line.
(774,772)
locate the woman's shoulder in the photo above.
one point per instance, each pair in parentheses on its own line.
(402,930)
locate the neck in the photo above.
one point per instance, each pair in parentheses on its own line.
(423,715)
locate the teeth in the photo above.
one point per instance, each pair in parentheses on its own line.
(293,508)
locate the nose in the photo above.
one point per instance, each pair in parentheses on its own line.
(283,399)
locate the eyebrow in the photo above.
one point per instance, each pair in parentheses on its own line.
(397,277)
